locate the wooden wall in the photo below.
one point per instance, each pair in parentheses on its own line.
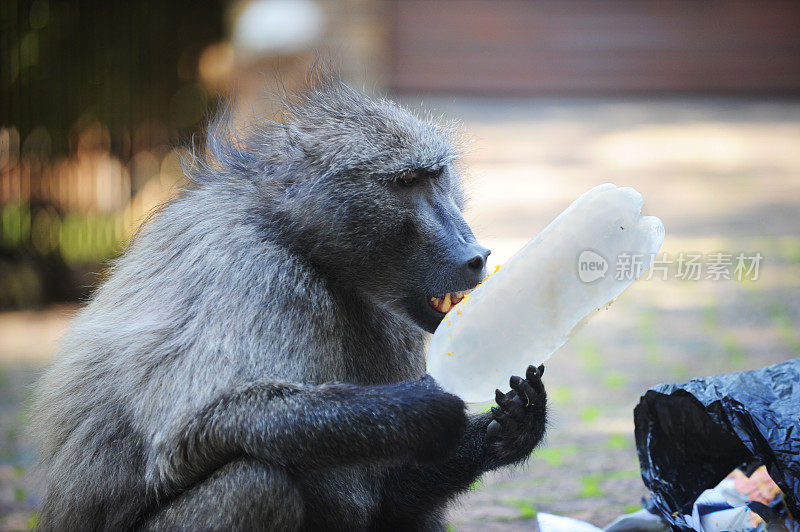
(596,46)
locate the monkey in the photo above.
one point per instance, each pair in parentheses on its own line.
(254,360)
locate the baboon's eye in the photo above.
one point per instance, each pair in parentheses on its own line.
(412,177)
(408,179)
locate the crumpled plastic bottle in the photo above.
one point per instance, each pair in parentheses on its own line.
(526,310)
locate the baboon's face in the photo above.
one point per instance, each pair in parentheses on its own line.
(436,258)
(389,221)
(374,201)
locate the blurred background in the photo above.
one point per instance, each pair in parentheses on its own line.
(692,102)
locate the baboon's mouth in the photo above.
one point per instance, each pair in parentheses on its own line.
(445,303)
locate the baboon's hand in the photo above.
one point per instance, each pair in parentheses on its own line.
(519,418)
(439,419)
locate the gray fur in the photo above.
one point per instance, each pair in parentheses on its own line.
(251,360)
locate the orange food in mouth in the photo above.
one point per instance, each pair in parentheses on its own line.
(451,299)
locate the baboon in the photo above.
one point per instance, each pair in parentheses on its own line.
(255,359)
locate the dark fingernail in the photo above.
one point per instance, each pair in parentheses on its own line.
(541,370)
(499,396)
(514,381)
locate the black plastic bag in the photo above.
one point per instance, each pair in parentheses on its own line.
(690,436)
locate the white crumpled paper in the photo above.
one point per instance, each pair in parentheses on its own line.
(524,312)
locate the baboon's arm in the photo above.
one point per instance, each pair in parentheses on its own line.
(415,489)
(303,427)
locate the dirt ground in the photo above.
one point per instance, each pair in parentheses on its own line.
(724,175)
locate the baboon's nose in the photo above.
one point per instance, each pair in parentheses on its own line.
(477,261)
